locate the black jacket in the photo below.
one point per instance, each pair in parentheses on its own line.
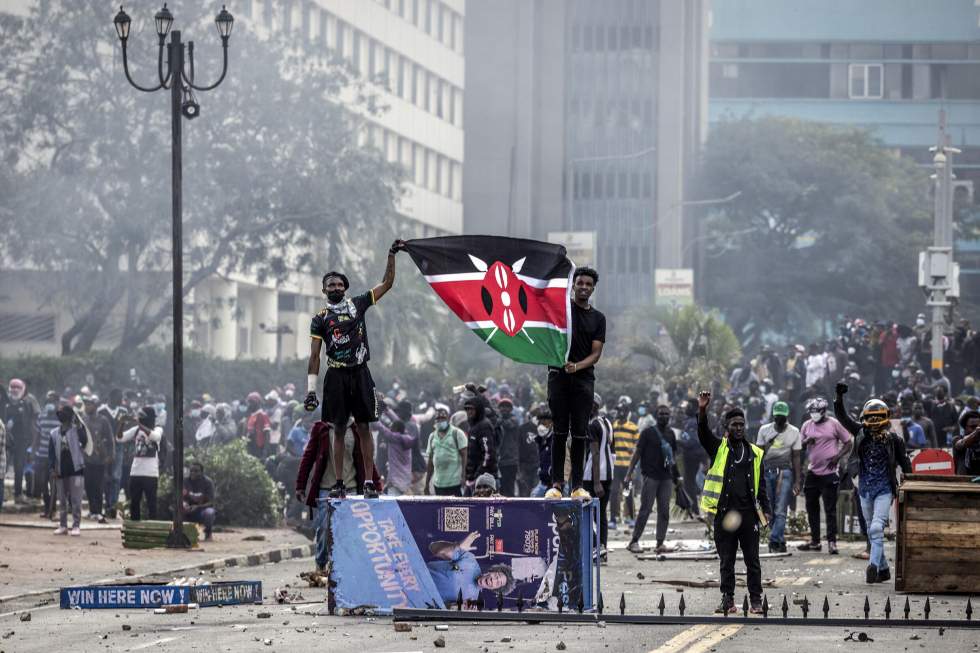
(897,455)
(480,454)
(711,444)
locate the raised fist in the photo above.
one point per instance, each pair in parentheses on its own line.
(841,388)
(311,402)
(396,246)
(704,398)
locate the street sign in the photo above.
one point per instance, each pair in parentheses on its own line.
(673,287)
(933,461)
(96,597)
(580,245)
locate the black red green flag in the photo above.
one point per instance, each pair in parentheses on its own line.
(511,292)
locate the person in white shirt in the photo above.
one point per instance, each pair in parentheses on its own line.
(599,467)
(783,444)
(145,471)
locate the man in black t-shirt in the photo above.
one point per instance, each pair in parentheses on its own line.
(571,388)
(348,389)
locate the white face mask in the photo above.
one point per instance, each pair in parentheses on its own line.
(543,430)
(442,425)
(816,417)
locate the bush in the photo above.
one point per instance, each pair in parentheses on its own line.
(244,493)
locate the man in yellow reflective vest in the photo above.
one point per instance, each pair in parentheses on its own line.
(736,499)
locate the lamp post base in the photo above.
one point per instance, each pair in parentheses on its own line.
(178,540)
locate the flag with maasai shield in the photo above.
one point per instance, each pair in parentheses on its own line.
(512,293)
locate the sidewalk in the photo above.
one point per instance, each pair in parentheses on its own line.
(34,560)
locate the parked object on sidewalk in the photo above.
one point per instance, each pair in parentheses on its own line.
(934,514)
(148,534)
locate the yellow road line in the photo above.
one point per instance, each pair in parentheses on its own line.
(683,638)
(712,638)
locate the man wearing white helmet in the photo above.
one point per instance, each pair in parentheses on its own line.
(828,444)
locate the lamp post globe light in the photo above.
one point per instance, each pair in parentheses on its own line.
(179,80)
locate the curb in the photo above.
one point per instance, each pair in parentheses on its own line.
(246,560)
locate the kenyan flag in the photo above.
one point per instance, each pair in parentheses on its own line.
(512,293)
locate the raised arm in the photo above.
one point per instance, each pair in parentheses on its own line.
(840,412)
(705,436)
(389,279)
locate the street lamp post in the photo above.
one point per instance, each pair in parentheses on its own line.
(180,83)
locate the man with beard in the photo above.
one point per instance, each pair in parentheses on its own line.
(734,496)
(348,389)
(655,455)
(571,388)
(780,441)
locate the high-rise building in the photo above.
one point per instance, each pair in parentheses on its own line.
(887,65)
(587,117)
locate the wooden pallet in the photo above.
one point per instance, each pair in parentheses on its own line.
(938,535)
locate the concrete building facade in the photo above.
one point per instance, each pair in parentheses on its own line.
(587,117)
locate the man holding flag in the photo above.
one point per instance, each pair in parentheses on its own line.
(572,386)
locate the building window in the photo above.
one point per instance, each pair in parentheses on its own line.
(729,70)
(21,327)
(865,81)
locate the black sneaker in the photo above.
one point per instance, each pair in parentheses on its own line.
(727,605)
(871,574)
(832,548)
(338,491)
(810,546)
(369,491)
(884,575)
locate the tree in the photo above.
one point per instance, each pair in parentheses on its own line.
(828,222)
(273,170)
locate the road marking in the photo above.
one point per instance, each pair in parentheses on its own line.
(827,561)
(683,638)
(711,639)
(802,580)
(154,643)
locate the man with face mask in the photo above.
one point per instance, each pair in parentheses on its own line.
(655,455)
(781,443)
(544,439)
(446,456)
(944,416)
(348,389)
(735,497)
(20,417)
(69,442)
(100,460)
(828,444)
(508,449)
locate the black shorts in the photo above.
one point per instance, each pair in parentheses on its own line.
(349,391)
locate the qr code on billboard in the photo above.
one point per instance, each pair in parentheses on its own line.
(456,520)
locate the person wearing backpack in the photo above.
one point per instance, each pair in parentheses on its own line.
(654,453)
(145,471)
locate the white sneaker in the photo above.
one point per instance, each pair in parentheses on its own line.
(75,532)
(61,530)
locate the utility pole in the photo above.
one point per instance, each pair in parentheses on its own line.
(937,271)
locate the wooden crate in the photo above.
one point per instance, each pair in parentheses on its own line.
(938,537)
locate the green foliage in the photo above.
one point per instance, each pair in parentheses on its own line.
(273,169)
(244,493)
(828,221)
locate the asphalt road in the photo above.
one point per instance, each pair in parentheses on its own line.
(305,624)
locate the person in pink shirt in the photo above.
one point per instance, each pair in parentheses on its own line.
(827,443)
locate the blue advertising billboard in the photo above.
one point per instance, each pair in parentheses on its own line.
(427,552)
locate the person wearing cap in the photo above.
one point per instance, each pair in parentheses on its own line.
(485,486)
(445,457)
(348,389)
(736,498)
(69,442)
(98,464)
(145,471)
(20,415)
(782,445)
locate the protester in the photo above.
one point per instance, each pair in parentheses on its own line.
(348,389)
(736,500)
(198,500)
(598,471)
(625,436)
(258,427)
(44,485)
(398,476)
(570,388)
(98,464)
(967,446)
(880,451)
(781,444)
(693,457)
(145,470)
(21,415)
(544,439)
(827,443)
(508,449)
(926,424)
(654,454)
(480,456)
(114,410)
(528,461)
(485,486)
(446,457)
(66,459)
